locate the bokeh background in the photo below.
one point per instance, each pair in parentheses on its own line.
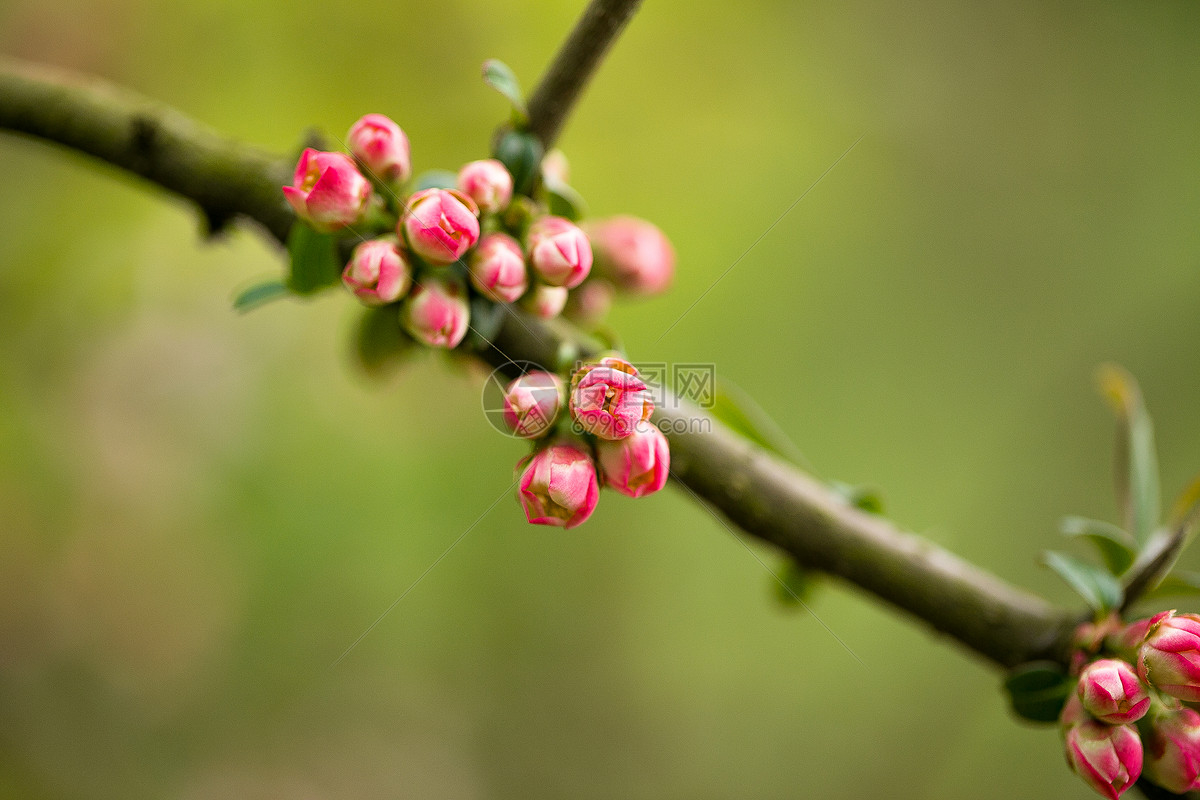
(200,511)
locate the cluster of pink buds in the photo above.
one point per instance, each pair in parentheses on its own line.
(1128,715)
(435,252)
(610,442)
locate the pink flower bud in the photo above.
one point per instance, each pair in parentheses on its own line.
(532,403)
(327,191)
(1111,692)
(545,302)
(1173,750)
(381,146)
(555,168)
(589,302)
(497,268)
(637,465)
(486,182)
(1169,658)
(378,272)
(1126,640)
(633,254)
(559,252)
(609,399)
(558,486)
(441,225)
(1107,757)
(436,311)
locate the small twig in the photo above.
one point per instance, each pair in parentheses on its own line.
(573,65)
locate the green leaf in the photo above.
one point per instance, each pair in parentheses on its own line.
(436,179)
(739,412)
(1092,583)
(487,318)
(793,584)
(563,201)
(1115,545)
(521,154)
(1037,691)
(380,344)
(863,498)
(259,295)
(1136,462)
(1176,584)
(500,77)
(315,262)
(1163,550)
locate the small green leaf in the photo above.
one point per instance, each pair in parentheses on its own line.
(861,497)
(500,77)
(1116,546)
(563,201)
(380,344)
(1092,583)
(487,318)
(1176,584)
(1136,462)
(1159,555)
(739,412)
(315,262)
(259,295)
(521,154)
(1037,691)
(436,179)
(793,584)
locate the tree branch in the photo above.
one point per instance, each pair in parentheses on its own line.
(224,178)
(764,496)
(594,33)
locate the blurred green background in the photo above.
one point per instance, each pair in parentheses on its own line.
(200,511)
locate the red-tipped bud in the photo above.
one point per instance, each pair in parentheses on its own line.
(378,272)
(545,302)
(559,252)
(328,192)
(1169,658)
(440,225)
(436,312)
(488,183)
(532,403)
(1173,749)
(497,268)
(609,399)
(1107,757)
(381,147)
(558,486)
(632,253)
(637,465)
(1111,692)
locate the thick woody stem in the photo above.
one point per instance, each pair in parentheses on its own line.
(765,497)
(549,105)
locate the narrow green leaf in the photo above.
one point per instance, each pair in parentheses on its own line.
(1116,546)
(500,77)
(739,412)
(259,294)
(1163,550)
(563,201)
(1136,464)
(380,344)
(436,179)
(1176,584)
(1037,691)
(861,497)
(315,262)
(1098,588)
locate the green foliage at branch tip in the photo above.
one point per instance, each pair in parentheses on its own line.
(1037,691)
